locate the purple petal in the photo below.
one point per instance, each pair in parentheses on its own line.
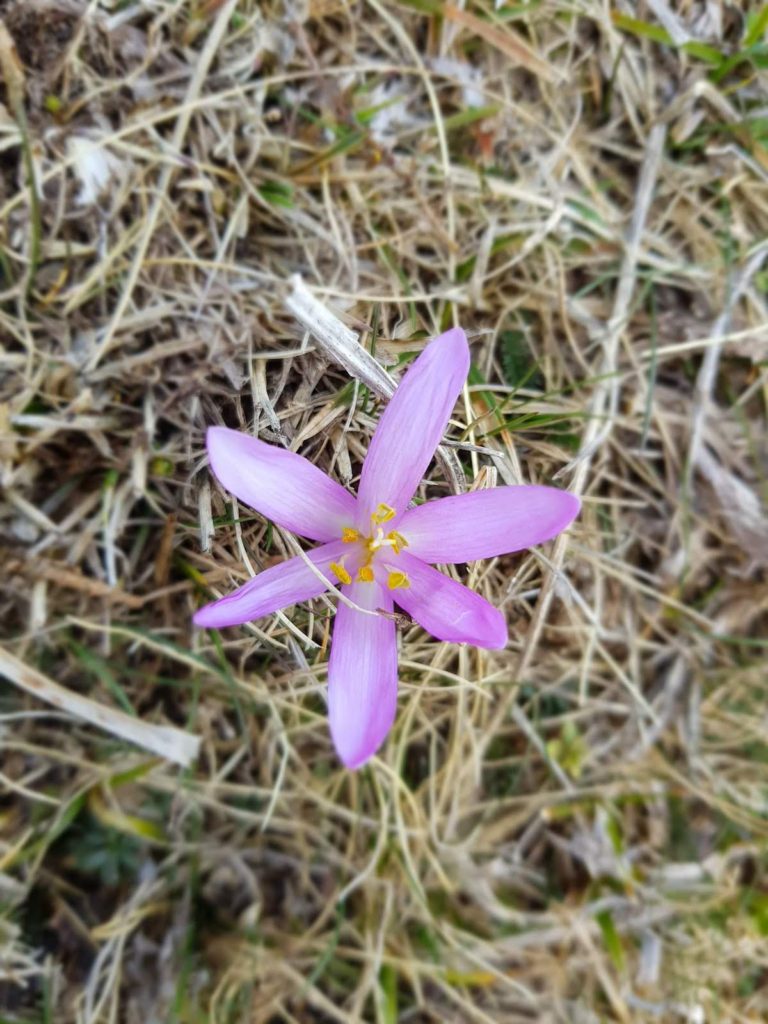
(272,589)
(362,675)
(283,486)
(447,609)
(483,524)
(412,424)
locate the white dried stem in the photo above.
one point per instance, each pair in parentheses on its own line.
(342,345)
(163,740)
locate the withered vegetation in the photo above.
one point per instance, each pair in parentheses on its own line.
(570,830)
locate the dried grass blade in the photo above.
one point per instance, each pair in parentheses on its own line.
(163,740)
(506,40)
(12,73)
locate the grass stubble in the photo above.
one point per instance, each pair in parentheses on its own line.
(570,830)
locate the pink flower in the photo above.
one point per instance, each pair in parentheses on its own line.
(377,547)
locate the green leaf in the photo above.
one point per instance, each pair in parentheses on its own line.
(644,29)
(161,466)
(365,116)
(757,25)
(611,938)
(102,669)
(388,994)
(469,116)
(535,421)
(434,7)
(110,854)
(569,750)
(330,950)
(277,193)
(517,366)
(513,12)
(586,211)
(703,52)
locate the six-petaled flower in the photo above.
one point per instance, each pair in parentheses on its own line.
(377,548)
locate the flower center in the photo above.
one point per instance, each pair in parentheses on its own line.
(366,548)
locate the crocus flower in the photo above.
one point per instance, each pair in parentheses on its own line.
(377,548)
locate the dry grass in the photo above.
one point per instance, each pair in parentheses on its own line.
(571,830)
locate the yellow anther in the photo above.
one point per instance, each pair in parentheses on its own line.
(397,540)
(398,581)
(383,513)
(365,574)
(340,572)
(349,536)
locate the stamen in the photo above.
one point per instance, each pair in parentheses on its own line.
(365,574)
(383,513)
(397,540)
(398,581)
(340,572)
(349,536)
